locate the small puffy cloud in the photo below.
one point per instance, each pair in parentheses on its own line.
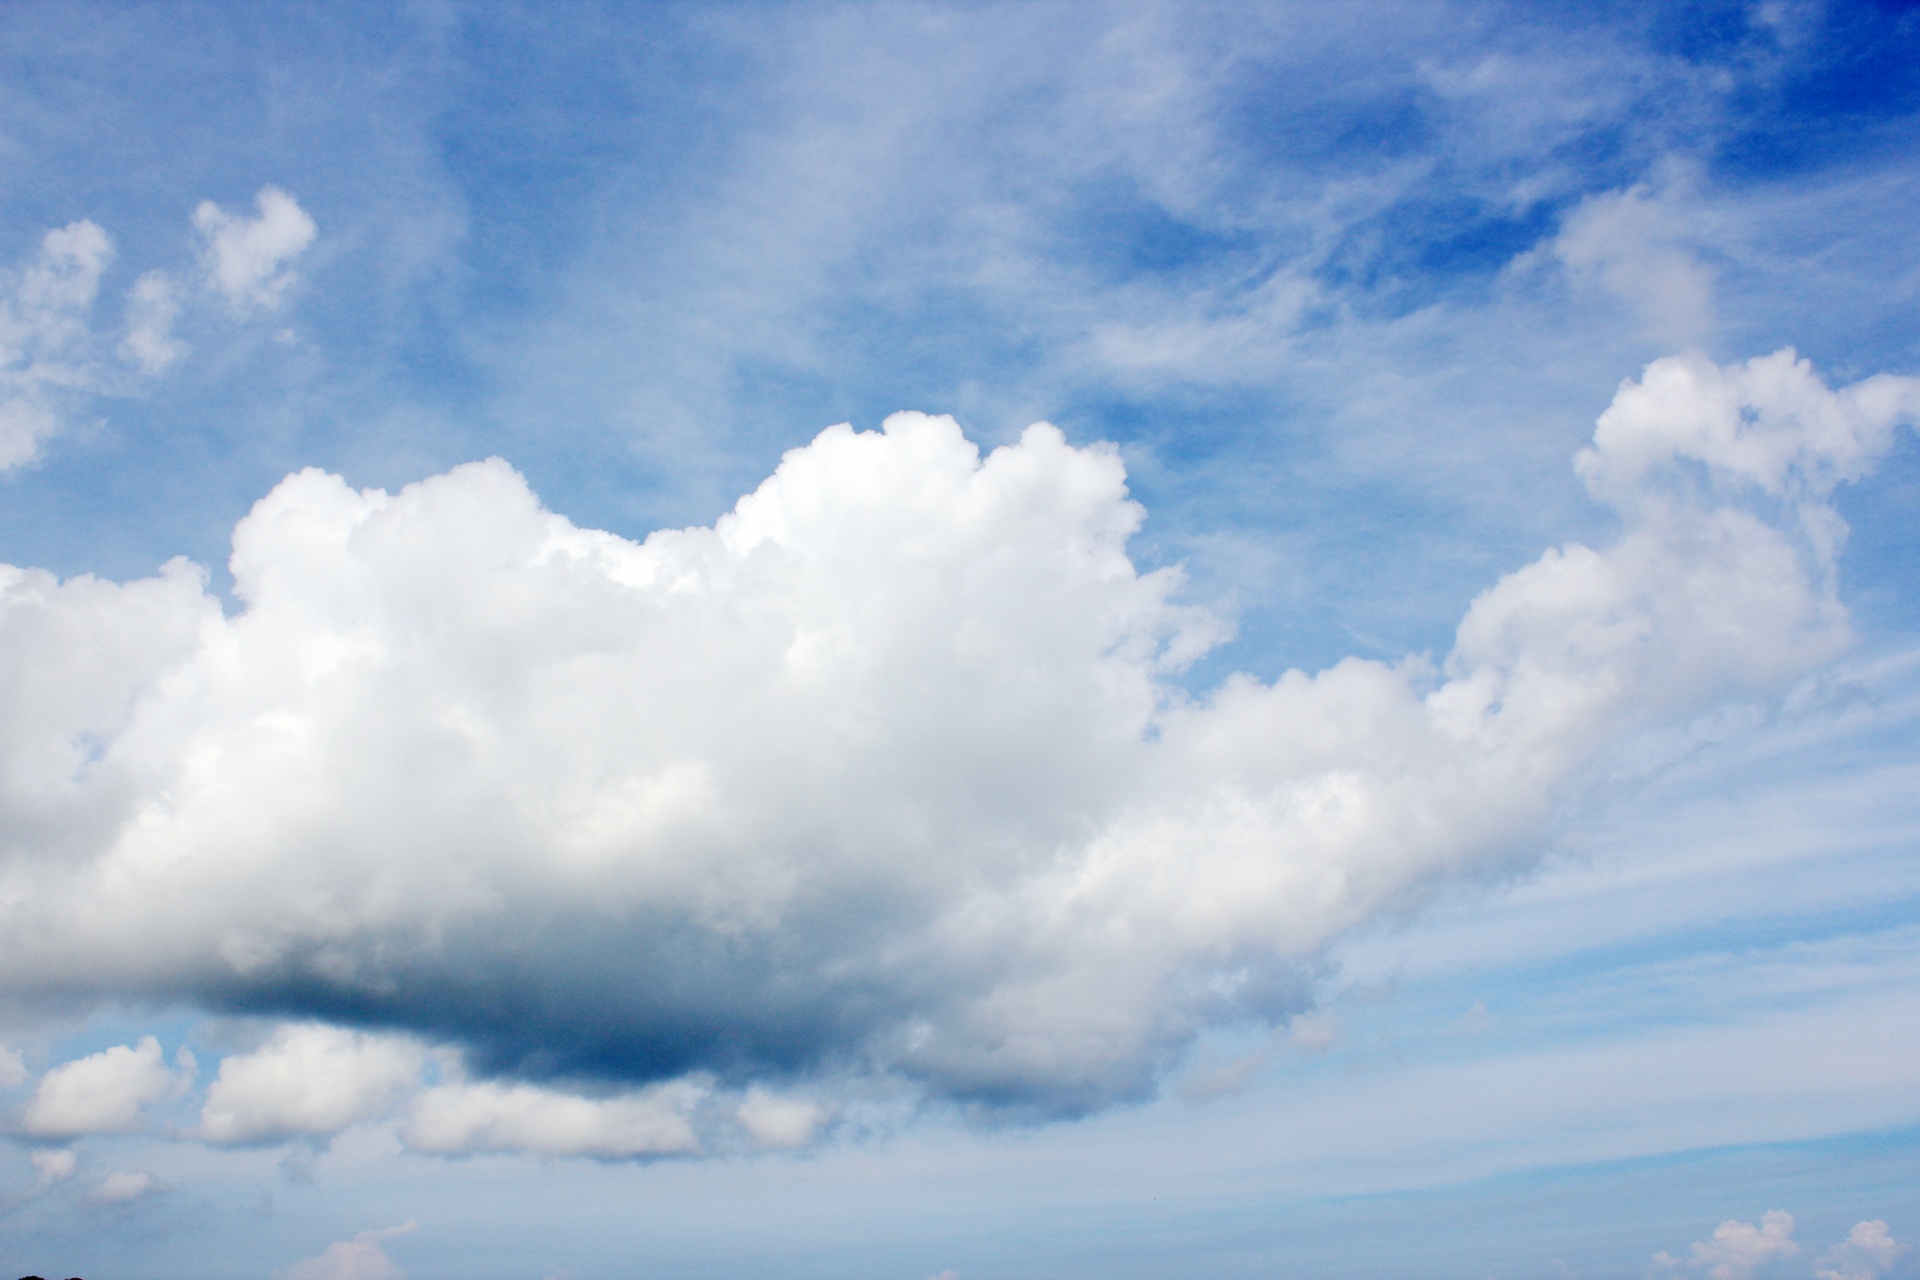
(51,356)
(103,1092)
(249,259)
(883,770)
(153,305)
(308,1079)
(45,339)
(1737,1249)
(360,1258)
(13,1069)
(774,1122)
(1868,1252)
(55,1164)
(124,1187)
(465,1119)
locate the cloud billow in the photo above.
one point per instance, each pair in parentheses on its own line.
(883,772)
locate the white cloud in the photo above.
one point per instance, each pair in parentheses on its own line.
(776,1122)
(1738,1249)
(308,1079)
(45,342)
(50,356)
(125,1187)
(1635,244)
(360,1258)
(1770,423)
(13,1069)
(249,259)
(883,768)
(1868,1252)
(153,305)
(54,1164)
(463,1119)
(102,1093)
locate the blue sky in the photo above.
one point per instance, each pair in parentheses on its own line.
(1325,808)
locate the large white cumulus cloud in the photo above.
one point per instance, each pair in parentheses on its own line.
(882,771)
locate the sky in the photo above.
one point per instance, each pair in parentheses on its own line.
(960,641)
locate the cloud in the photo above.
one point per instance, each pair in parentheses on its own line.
(360,1258)
(1738,1249)
(54,1164)
(308,1079)
(126,1187)
(153,305)
(45,342)
(1314,1032)
(1868,1252)
(102,1093)
(249,259)
(885,771)
(1770,423)
(1635,244)
(463,1119)
(50,355)
(13,1069)
(776,1122)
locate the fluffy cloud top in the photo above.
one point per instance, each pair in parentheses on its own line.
(1739,1250)
(249,259)
(1770,423)
(307,1079)
(102,1093)
(1868,1252)
(883,771)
